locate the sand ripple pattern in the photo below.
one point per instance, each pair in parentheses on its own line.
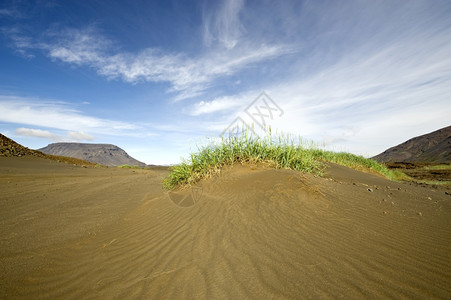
(258,234)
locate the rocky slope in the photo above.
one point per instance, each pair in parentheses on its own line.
(104,154)
(434,147)
(9,148)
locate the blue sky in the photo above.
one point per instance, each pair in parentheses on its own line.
(157,78)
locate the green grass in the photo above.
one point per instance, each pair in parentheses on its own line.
(281,151)
(435,182)
(128,167)
(438,167)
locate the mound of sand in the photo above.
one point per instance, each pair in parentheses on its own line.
(251,233)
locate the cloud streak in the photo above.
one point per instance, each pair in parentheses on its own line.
(223,25)
(58,115)
(45,134)
(188,76)
(372,96)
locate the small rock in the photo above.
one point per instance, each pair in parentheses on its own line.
(429,198)
(420,214)
(370,190)
(385,212)
(447,193)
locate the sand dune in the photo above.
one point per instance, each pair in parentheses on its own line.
(251,233)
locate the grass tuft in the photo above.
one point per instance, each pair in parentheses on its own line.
(128,167)
(281,151)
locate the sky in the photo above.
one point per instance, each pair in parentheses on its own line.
(160,78)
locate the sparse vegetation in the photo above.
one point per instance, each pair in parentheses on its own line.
(128,167)
(438,167)
(435,182)
(279,151)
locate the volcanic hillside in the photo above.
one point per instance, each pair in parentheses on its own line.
(9,148)
(434,147)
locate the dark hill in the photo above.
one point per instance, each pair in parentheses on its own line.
(104,154)
(9,148)
(434,147)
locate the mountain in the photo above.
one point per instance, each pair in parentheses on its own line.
(434,147)
(104,154)
(9,148)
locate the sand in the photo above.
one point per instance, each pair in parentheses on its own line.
(68,232)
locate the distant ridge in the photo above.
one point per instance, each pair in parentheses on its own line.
(434,147)
(104,154)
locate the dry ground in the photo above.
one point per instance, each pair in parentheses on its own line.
(68,232)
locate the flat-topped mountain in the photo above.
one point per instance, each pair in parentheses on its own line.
(434,147)
(104,154)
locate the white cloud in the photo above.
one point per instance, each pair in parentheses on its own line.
(79,136)
(223,104)
(38,133)
(367,101)
(20,42)
(70,136)
(58,115)
(5,12)
(224,24)
(8,12)
(189,77)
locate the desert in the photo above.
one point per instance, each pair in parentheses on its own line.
(83,232)
(226,149)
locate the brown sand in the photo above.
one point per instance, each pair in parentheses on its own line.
(69,232)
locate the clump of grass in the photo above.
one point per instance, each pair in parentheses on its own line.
(359,163)
(281,151)
(438,167)
(436,182)
(128,167)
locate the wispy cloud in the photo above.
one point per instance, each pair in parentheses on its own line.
(58,115)
(79,136)
(372,97)
(70,136)
(223,25)
(20,42)
(6,12)
(45,134)
(10,12)
(77,47)
(188,76)
(222,104)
